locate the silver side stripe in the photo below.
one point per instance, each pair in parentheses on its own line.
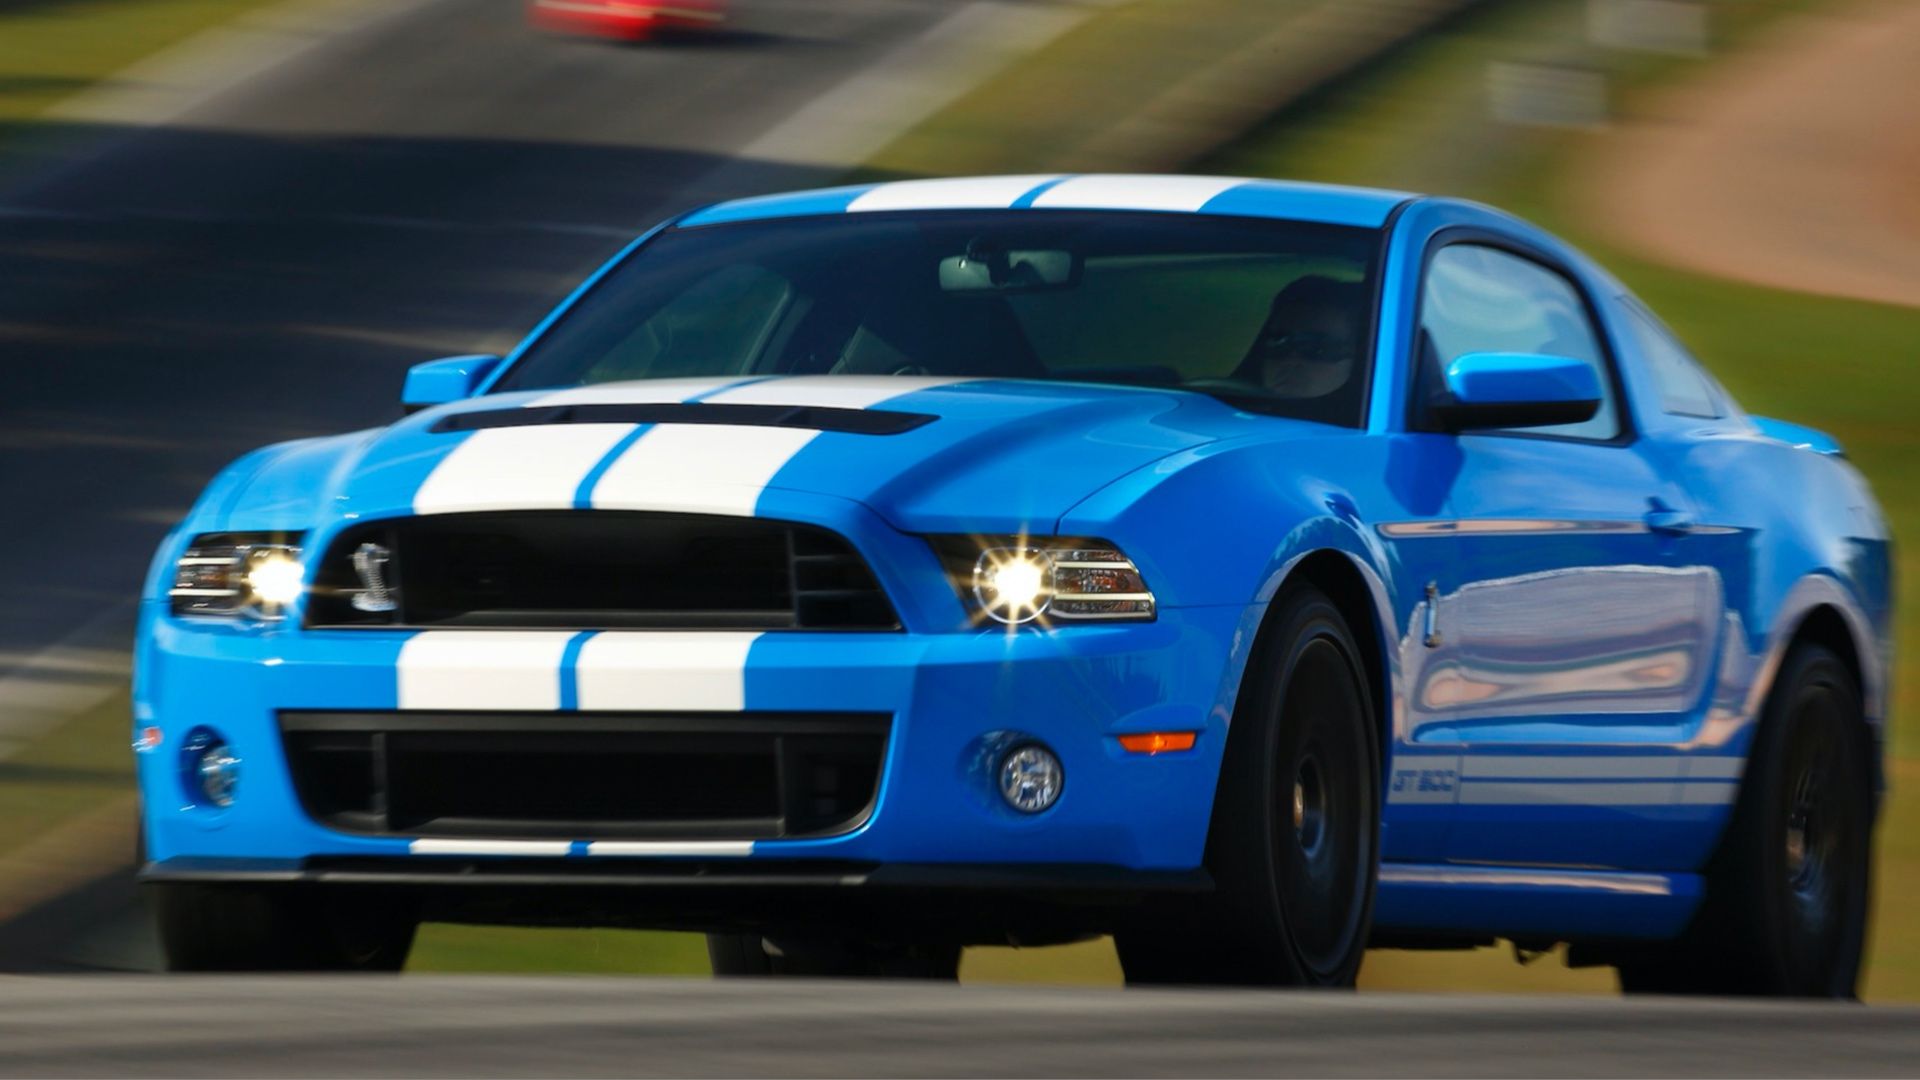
(958,193)
(482,669)
(1595,793)
(1667,767)
(700,671)
(1503,877)
(696,848)
(489,847)
(1136,192)
(1709,793)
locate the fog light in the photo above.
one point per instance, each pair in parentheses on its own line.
(1031,778)
(212,772)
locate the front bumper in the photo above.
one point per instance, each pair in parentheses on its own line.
(947,695)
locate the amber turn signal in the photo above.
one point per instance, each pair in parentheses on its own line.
(1158,742)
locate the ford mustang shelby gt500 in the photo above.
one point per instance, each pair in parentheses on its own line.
(1250,570)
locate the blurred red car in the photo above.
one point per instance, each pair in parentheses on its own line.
(627,20)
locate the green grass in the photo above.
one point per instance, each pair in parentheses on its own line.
(53,49)
(73,769)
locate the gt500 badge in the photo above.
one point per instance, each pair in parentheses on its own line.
(1423,785)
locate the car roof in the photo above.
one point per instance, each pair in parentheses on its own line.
(1292,200)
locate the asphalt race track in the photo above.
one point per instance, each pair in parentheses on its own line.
(465,1026)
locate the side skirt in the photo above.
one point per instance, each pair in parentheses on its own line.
(1543,903)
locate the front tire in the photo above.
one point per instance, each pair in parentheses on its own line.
(1785,913)
(1293,847)
(235,928)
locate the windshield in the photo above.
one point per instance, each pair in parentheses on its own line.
(1273,316)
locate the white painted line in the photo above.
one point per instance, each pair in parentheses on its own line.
(1136,192)
(698,468)
(698,848)
(430,846)
(482,669)
(957,193)
(517,468)
(635,670)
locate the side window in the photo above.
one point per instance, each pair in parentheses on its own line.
(1483,299)
(1684,388)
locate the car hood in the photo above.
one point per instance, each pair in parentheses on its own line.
(928,455)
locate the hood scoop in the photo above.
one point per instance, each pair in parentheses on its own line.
(812,417)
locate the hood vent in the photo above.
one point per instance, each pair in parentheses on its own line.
(814,417)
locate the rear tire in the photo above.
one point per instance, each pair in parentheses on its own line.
(234,928)
(1785,913)
(1293,847)
(754,956)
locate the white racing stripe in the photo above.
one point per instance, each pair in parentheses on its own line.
(517,468)
(482,669)
(698,468)
(489,847)
(724,468)
(636,670)
(1187,193)
(956,193)
(727,848)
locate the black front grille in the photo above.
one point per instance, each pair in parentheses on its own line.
(736,776)
(597,569)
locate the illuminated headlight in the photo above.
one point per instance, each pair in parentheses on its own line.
(1017,580)
(228,575)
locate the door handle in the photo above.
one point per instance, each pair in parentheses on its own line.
(1669,522)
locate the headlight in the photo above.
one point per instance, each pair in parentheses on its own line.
(228,575)
(1017,580)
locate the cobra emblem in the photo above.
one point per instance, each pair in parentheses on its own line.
(370,562)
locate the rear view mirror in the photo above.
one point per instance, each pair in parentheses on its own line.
(437,382)
(987,269)
(1517,390)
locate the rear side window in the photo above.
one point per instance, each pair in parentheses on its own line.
(1483,299)
(1685,390)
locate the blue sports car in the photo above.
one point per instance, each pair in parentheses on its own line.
(1253,571)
